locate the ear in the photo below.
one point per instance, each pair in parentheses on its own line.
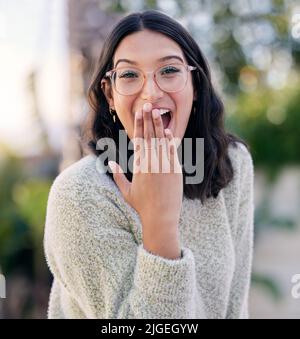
(107,90)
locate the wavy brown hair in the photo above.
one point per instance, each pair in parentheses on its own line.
(207,122)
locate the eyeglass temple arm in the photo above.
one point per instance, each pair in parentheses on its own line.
(108,74)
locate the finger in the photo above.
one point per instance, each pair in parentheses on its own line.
(149,134)
(160,143)
(163,145)
(138,141)
(150,153)
(120,179)
(168,149)
(158,124)
(138,128)
(172,152)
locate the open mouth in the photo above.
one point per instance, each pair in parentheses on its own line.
(166,117)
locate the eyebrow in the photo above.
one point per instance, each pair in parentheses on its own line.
(161,59)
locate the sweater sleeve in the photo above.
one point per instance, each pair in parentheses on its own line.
(100,268)
(239,293)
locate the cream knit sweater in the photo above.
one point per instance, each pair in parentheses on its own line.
(93,246)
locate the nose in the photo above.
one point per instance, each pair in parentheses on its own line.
(150,91)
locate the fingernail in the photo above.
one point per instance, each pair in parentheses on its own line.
(112,166)
(147,107)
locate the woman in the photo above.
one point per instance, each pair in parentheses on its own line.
(138,244)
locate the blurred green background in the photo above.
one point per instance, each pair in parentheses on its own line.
(253,48)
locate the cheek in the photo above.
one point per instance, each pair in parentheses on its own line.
(124,107)
(184,99)
(184,103)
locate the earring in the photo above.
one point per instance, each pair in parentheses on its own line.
(194,110)
(113,113)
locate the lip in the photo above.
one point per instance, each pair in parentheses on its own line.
(160,107)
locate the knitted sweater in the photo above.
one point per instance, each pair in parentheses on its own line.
(94,249)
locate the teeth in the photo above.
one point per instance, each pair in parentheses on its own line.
(163,111)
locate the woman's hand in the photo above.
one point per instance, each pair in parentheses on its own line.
(157,183)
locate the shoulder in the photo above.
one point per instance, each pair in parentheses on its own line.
(84,191)
(83,178)
(241,185)
(239,153)
(241,160)
(83,205)
(239,193)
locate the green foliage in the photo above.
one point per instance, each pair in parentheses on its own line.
(267,283)
(269,121)
(30,198)
(22,214)
(23,202)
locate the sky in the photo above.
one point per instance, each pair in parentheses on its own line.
(32,36)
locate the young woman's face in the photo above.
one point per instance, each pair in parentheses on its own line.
(145,48)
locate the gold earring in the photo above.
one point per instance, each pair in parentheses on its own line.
(113,113)
(194,110)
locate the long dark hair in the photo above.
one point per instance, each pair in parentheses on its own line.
(207,122)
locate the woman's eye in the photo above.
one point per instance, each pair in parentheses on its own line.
(169,70)
(128,75)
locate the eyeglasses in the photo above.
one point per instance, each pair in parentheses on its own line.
(130,80)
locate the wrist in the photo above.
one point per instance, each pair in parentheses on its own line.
(159,223)
(164,251)
(162,240)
